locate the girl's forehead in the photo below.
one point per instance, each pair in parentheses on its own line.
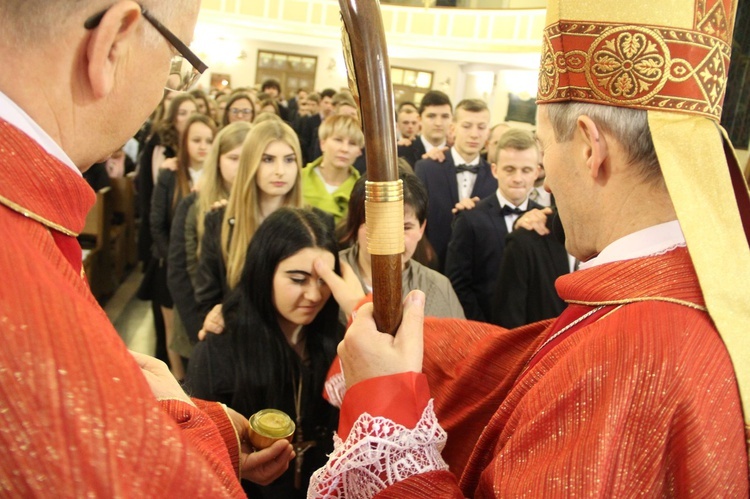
(278,147)
(304,258)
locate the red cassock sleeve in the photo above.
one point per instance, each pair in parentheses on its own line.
(401,398)
(433,485)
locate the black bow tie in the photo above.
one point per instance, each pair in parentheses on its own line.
(507,210)
(467,168)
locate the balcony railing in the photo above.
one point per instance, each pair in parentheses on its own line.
(454,30)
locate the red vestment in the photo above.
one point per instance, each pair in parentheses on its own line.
(642,400)
(77,417)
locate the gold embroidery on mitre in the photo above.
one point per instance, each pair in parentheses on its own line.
(548,70)
(712,20)
(627,64)
(635,66)
(712,73)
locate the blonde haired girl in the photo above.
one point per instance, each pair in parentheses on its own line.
(268,178)
(219,171)
(224,160)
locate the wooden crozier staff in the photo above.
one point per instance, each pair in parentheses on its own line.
(370,82)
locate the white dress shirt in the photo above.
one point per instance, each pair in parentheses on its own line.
(10,112)
(429,147)
(195,176)
(329,187)
(651,241)
(465,180)
(511,219)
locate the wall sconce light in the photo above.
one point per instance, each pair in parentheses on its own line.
(219,51)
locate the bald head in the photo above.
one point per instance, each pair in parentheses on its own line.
(34,22)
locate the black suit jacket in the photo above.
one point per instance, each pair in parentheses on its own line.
(211,277)
(474,255)
(144,192)
(292,108)
(308,138)
(413,152)
(525,287)
(442,188)
(162,211)
(178,275)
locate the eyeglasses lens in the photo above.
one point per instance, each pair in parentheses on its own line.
(182,75)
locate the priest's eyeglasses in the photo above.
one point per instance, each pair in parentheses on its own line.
(186,67)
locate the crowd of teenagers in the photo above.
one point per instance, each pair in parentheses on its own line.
(250,205)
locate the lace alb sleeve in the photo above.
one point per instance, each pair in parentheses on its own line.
(379,453)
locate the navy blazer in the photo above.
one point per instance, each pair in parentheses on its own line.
(309,142)
(474,255)
(442,188)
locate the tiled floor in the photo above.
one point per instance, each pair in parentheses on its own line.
(132,317)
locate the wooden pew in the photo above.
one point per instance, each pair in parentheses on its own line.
(95,243)
(122,230)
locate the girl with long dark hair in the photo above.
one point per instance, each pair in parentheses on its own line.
(281,335)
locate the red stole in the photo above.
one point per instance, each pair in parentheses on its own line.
(25,188)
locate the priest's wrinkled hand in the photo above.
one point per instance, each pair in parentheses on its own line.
(160,379)
(263,466)
(367,353)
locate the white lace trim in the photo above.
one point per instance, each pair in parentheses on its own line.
(336,389)
(379,453)
(671,248)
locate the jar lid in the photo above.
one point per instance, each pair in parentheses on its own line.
(272,423)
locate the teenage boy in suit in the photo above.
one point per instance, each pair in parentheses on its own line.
(463,174)
(478,238)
